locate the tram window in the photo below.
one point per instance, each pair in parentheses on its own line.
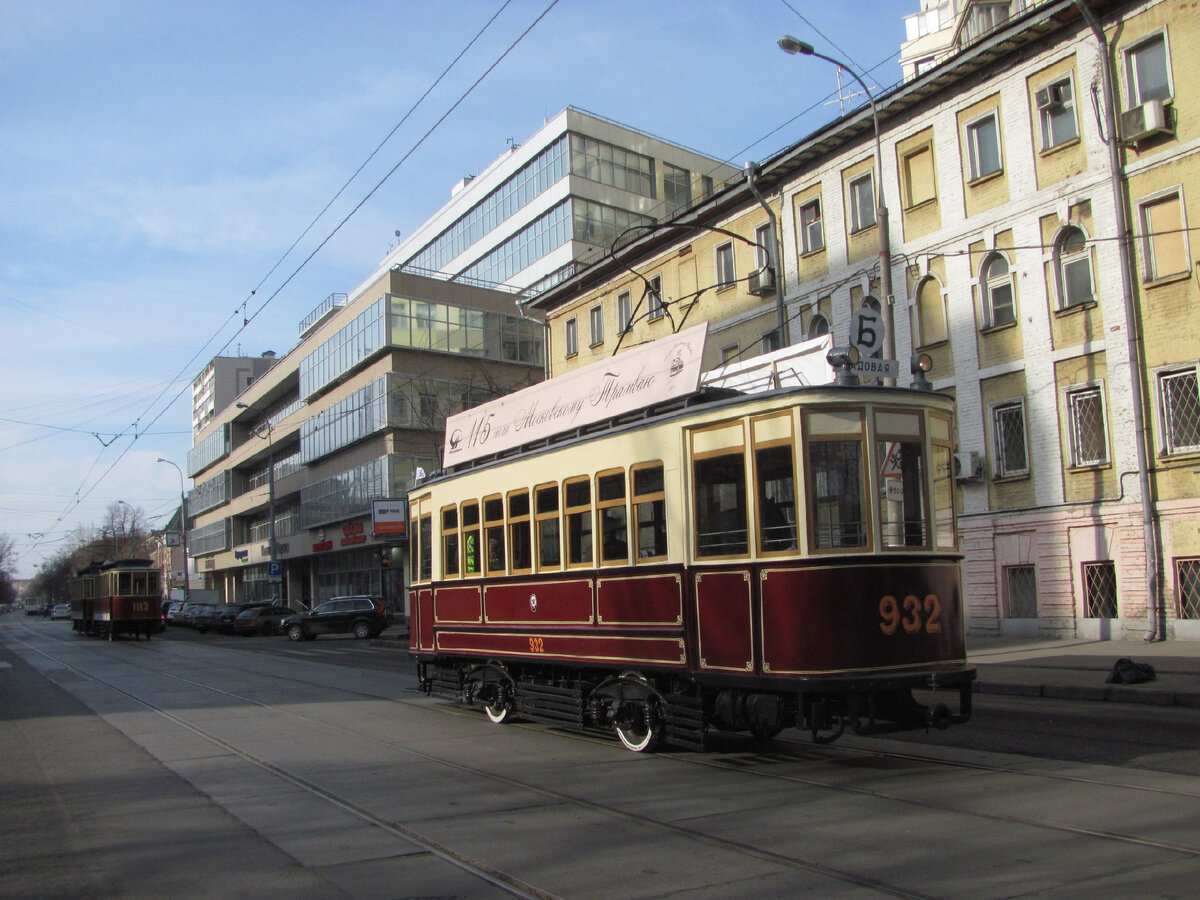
(720,486)
(612,516)
(650,512)
(493,529)
(548,527)
(449,542)
(578,502)
(426,547)
(472,565)
(519,547)
(901,493)
(412,544)
(836,473)
(776,495)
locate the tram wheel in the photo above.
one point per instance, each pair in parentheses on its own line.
(498,711)
(643,733)
(830,736)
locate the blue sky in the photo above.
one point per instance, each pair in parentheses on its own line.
(158,158)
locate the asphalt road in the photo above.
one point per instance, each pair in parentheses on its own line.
(221,766)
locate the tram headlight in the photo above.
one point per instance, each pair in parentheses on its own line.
(843,360)
(918,365)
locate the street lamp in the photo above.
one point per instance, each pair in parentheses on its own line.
(183,527)
(274,566)
(789,44)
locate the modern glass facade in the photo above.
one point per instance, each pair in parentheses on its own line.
(207,539)
(210,494)
(348,494)
(539,174)
(615,166)
(216,446)
(396,400)
(394,321)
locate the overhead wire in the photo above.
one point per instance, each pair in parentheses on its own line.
(81,493)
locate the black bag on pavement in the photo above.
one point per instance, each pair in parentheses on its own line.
(1126,671)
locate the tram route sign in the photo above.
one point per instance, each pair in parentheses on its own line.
(661,370)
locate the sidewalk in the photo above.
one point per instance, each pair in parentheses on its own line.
(1077,669)
(1058,669)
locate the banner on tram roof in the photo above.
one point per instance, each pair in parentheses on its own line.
(649,374)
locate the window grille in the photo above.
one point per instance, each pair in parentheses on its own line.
(1187,586)
(1020,587)
(1008,422)
(1100,590)
(1181,410)
(1089,443)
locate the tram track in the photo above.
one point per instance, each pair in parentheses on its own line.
(777,762)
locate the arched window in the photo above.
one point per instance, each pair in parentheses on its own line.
(1073,268)
(817,326)
(931,313)
(996,285)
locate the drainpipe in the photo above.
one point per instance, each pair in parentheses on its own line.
(1156,606)
(752,172)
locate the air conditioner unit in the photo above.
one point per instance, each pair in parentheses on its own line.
(762,281)
(1047,98)
(1143,121)
(968,466)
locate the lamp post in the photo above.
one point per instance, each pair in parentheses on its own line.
(789,44)
(274,564)
(183,527)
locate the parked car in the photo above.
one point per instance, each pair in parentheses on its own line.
(204,618)
(364,617)
(225,614)
(174,608)
(264,620)
(193,610)
(61,611)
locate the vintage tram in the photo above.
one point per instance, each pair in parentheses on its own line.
(117,597)
(719,560)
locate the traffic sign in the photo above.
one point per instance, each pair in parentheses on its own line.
(274,570)
(866,331)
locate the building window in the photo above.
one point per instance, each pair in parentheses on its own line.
(677,188)
(1008,433)
(764,252)
(726,276)
(919,185)
(812,232)
(729,354)
(817,326)
(1164,237)
(1179,395)
(654,299)
(1020,592)
(1100,590)
(996,283)
(1187,587)
(771,341)
(1089,433)
(983,145)
(1148,70)
(862,202)
(1073,268)
(571,336)
(624,311)
(931,313)
(1056,113)
(596,324)
(706,186)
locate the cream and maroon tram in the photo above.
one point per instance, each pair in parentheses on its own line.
(720,560)
(118,597)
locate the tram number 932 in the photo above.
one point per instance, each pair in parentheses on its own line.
(912,614)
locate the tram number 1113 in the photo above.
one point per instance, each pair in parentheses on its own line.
(911,614)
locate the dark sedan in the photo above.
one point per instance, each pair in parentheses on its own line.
(264,620)
(226,614)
